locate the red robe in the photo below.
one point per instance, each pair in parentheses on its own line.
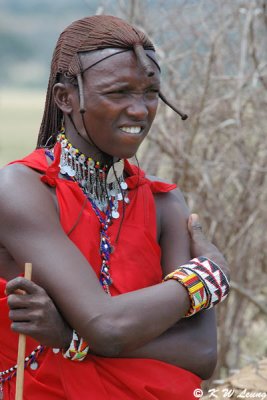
(135,264)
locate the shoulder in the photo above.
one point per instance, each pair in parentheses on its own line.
(22,195)
(172,198)
(154,178)
(16,179)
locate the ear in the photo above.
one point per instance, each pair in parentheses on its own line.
(63,97)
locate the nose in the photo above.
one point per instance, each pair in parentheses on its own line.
(137,108)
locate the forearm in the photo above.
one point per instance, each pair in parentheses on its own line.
(138,317)
(151,349)
(189,344)
(127,321)
(168,348)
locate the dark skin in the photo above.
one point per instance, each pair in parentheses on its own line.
(114,326)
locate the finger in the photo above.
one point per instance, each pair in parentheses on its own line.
(22,327)
(19,315)
(18,291)
(26,315)
(21,283)
(15,301)
(194,225)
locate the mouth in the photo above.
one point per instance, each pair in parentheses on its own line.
(132,130)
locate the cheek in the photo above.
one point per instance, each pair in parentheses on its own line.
(104,111)
(99,114)
(153,109)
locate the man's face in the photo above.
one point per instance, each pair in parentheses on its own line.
(120,102)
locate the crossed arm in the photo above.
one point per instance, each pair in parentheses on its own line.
(154,334)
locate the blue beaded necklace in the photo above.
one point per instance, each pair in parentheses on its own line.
(111,212)
(105,245)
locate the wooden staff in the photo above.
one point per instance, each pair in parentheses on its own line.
(21,348)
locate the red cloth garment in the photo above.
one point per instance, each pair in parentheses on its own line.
(135,264)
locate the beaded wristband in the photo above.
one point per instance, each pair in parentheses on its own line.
(78,348)
(196,290)
(206,283)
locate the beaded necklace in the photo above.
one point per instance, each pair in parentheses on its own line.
(30,360)
(103,190)
(98,184)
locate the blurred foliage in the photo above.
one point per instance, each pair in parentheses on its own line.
(215,69)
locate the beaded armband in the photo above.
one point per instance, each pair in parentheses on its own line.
(78,348)
(206,283)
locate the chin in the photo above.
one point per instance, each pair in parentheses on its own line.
(122,152)
(125,154)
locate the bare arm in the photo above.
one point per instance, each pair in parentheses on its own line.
(197,335)
(110,324)
(191,343)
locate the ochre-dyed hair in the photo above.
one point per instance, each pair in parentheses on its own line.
(87,34)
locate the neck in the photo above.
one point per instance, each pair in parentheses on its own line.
(102,184)
(82,142)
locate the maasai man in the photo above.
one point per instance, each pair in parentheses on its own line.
(101,236)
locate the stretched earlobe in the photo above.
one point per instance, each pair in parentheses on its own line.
(62,98)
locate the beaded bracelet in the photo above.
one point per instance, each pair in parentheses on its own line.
(206,283)
(78,348)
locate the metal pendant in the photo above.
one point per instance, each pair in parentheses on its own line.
(113,192)
(66,169)
(124,185)
(119,196)
(115,214)
(34,365)
(118,167)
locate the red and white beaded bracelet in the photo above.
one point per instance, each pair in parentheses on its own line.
(206,283)
(78,348)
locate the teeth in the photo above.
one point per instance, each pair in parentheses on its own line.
(132,129)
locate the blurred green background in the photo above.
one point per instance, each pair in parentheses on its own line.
(28,33)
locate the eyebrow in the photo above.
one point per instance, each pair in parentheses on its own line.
(125,85)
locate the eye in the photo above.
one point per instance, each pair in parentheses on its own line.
(152,93)
(117,93)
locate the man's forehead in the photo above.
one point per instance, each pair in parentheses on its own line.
(89,59)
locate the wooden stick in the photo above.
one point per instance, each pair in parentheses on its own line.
(21,348)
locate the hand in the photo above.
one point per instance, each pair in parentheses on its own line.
(33,313)
(200,246)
